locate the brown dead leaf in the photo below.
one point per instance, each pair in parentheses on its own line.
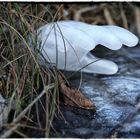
(74,97)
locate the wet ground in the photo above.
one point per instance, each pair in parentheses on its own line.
(117,100)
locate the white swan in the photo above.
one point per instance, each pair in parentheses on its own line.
(68,45)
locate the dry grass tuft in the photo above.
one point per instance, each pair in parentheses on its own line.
(22,79)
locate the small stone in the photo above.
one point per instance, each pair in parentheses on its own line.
(3,111)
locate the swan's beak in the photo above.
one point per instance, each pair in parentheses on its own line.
(99,66)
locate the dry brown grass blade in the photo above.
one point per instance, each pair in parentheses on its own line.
(74,97)
(123,17)
(78,14)
(108,17)
(137,18)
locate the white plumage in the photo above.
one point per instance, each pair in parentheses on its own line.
(68,45)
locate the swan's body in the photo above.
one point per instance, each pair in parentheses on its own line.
(68,45)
